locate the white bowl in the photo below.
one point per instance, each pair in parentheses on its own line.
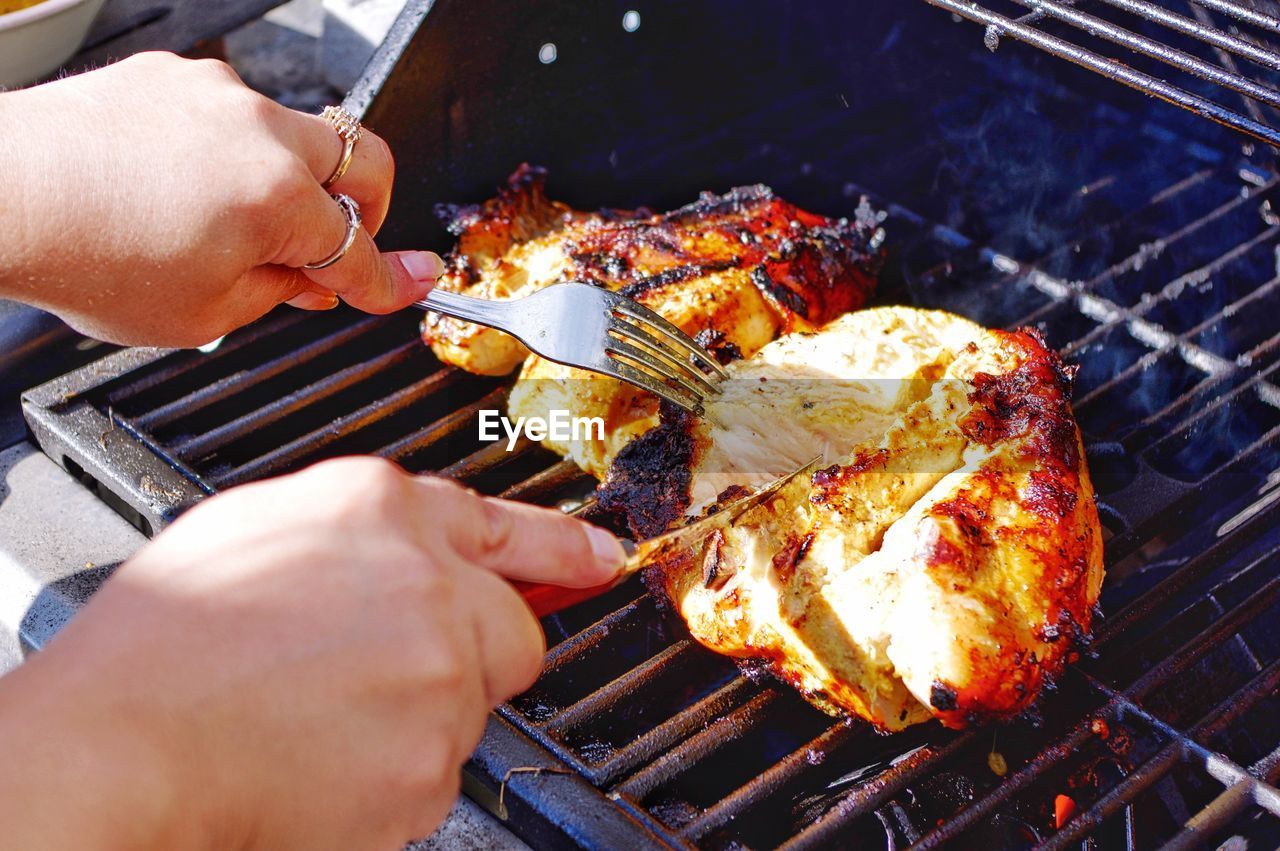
(36,40)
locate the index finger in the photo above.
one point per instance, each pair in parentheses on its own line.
(525,542)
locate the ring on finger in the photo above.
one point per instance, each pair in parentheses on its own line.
(351,209)
(349,131)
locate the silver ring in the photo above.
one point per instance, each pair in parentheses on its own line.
(352,211)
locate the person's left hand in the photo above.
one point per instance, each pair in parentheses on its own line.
(159,201)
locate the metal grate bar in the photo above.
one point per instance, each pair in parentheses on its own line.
(485,459)
(1172,664)
(540,485)
(1204,32)
(300,447)
(1002,25)
(185,361)
(674,729)
(443,427)
(825,832)
(241,380)
(1217,813)
(1241,13)
(631,683)
(1099,28)
(700,745)
(1113,800)
(571,649)
(202,445)
(785,770)
(1223,628)
(1174,584)
(1135,260)
(1049,757)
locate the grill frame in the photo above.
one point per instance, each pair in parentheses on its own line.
(553,808)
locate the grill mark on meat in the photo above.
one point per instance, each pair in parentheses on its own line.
(674,275)
(789,299)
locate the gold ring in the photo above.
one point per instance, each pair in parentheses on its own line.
(349,131)
(352,211)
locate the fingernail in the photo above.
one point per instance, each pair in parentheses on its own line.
(422,265)
(314,301)
(606,548)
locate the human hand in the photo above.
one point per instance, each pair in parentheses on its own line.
(159,201)
(300,663)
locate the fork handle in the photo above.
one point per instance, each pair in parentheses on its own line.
(550,599)
(482,311)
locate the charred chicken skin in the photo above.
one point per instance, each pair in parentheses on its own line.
(944,561)
(734,270)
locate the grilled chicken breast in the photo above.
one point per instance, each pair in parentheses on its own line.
(733,270)
(947,563)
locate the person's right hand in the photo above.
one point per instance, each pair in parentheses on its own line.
(300,663)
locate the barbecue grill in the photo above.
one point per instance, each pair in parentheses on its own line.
(1142,240)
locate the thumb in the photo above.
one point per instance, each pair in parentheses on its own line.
(523,541)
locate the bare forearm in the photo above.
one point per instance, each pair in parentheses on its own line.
(77,773)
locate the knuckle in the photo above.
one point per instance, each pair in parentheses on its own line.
(497,525)
(359,485)
(214,68)
(379,152)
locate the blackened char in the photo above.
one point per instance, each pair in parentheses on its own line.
(648,485)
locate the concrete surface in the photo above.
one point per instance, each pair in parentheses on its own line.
(352,30)
(279,55)
(57,543)
(469,828)
(309,53)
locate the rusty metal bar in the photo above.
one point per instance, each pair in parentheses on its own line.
(771,780)
(571,649)
(674,729)
(717,734)
(607,696)
(487,458)
(825,831)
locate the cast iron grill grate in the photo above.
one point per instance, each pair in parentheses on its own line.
(1221,54)
(1167,300)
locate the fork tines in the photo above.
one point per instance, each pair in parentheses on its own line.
(655,354)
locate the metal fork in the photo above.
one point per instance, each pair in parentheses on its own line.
(581,325)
